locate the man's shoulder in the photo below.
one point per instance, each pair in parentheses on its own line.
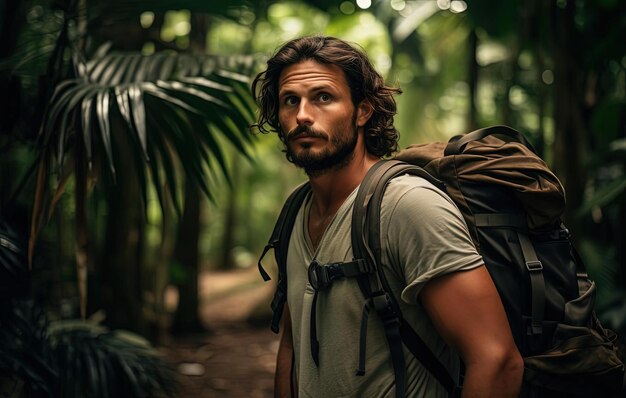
(412,187)
(410,181)
(413,199)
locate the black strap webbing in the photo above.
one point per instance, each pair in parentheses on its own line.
(366,244)
(360,370)
(279,241)
(321,277)
(420,350)
(495,220)
(372,284)
(314,342)
(537,284)
(532,263)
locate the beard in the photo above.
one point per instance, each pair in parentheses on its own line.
(336,155)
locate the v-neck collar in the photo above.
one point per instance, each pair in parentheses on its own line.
(348,201)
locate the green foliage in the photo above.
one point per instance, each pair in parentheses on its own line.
(499,20)
(605,121)
(187,116)
(95,362)
(24,352)
(606,195)
(13,271)
(77,358)
(611,300)
(174,105)
(68,358)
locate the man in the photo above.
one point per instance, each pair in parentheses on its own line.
(334,114)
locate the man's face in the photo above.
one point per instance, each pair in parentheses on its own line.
(317,117)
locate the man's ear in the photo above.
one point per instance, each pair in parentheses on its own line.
(363,113)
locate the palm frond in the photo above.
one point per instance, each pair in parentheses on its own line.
(604,196)
(86,112)
(13,264)
(174,106)
(24,352)
(88,355)
(102,113)
(215,94)
(609,183)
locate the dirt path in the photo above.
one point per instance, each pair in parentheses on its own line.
(234,359)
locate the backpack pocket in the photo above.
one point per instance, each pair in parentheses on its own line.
(583,360)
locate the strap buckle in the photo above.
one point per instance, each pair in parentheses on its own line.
(385,309)
(534,265)
(322,276)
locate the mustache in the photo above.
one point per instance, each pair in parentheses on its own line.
(304,130)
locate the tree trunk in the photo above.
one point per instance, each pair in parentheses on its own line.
(186,318)
(131,36)
(230,221)
(120,269)
(186,252)
(570,129)
(82,252)
(510,81)
(119,279)
(620,236)
(10,27)
(532,13)
(542,101)
(13,18)
(472,79)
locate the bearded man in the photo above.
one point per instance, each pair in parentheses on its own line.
(334,114)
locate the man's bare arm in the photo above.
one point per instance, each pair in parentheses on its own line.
(284,360)
(467,311)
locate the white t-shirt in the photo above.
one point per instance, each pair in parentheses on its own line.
(424,236)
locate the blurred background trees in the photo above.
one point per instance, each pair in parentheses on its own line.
(124,145)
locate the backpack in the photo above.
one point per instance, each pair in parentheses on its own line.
(512,205)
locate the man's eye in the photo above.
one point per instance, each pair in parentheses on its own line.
(290,101)
(324,97)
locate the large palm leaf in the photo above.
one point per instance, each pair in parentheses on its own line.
(95,362)
(179,110)
(76,359)
(175,105)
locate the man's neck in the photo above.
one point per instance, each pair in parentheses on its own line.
(330,189)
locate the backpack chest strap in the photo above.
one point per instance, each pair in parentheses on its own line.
(321,277)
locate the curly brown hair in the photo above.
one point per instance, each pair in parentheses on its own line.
(381,137)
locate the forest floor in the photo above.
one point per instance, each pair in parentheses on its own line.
(233,358)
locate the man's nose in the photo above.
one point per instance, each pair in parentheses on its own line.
(304,115)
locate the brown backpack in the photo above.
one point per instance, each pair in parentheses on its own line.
(512,204)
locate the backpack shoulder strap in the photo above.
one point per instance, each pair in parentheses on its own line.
(366,244)
(279,241)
